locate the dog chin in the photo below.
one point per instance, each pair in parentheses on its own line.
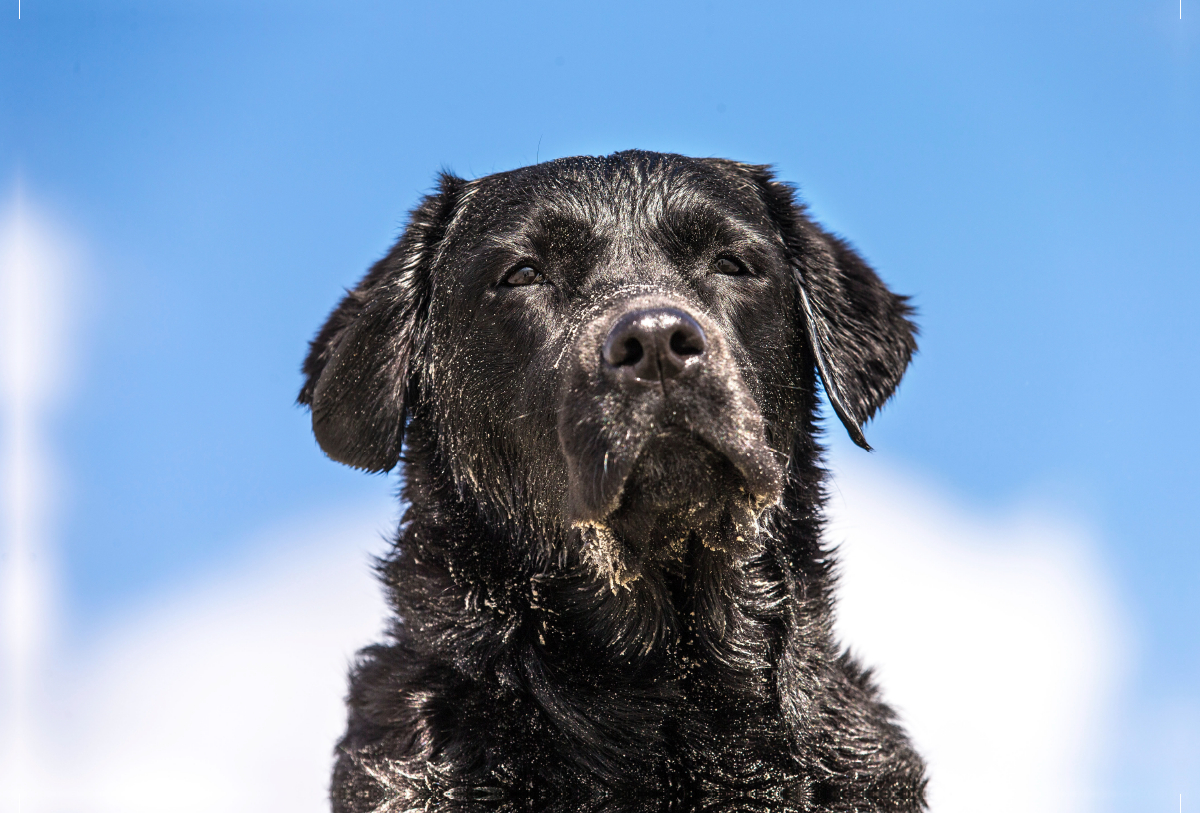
(678,490)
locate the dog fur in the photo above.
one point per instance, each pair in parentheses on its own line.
(601,377)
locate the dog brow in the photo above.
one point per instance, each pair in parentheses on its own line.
(689,225)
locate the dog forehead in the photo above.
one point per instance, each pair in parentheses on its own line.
(620,198)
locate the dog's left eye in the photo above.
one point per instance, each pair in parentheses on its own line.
(730,268)
(525,275)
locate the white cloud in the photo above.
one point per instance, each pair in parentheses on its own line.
(227,695)
(997,637)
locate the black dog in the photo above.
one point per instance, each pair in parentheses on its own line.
(601,376)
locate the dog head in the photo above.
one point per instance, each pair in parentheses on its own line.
(622,348)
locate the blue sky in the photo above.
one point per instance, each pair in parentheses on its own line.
(1027,171)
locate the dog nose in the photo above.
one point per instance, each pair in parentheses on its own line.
(654,344)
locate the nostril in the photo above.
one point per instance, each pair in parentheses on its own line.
(686,343)
(622,349)
(632,353)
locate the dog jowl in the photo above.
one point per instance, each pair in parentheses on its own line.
(601,375)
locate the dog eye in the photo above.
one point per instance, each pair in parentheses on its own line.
(730,268)
(525,275)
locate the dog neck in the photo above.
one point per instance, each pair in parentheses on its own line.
(705,605)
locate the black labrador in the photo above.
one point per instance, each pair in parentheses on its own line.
(600,374)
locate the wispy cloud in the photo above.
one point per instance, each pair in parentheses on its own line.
(35,262)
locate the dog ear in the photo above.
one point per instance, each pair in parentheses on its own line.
(360,371)
(860,332)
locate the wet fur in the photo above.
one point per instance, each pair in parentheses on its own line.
(562,641)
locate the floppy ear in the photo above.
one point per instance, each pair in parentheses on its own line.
(360,371)
(860,332)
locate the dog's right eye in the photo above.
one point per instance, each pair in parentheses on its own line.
(730,268)
(524,275)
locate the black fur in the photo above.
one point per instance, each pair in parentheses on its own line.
(610,583)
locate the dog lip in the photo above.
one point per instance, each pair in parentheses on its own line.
(754,461)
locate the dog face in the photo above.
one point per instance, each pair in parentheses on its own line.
(621,351)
